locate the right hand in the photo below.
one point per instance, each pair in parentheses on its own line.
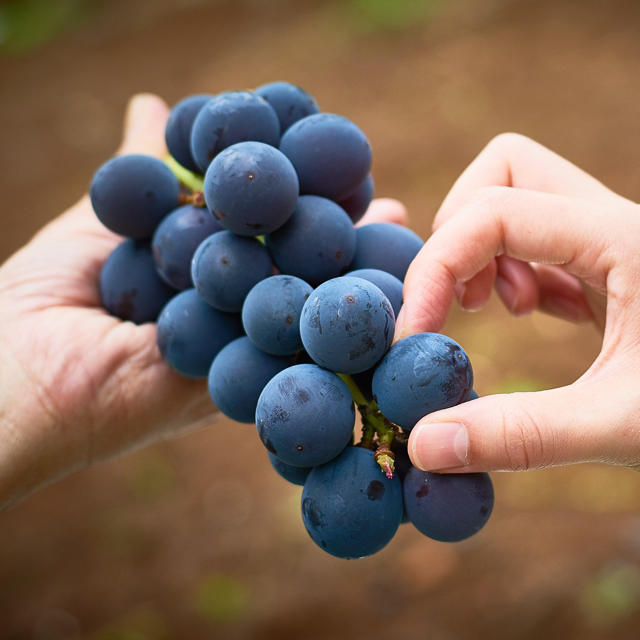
(548,236)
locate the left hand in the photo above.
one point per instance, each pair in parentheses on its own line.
(76,384)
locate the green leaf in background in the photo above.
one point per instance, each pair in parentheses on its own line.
(379,15)
(27,24)
(221,598)
(612,595)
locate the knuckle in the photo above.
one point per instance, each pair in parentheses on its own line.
(507,141)
(524,442)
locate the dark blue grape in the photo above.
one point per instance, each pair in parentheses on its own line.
(448,507)
(131,194)
(251,188)
(423,373)
(129,285)
(347,325)
(316,243)
(291,103)
(238,375)
(294,475)
(331,155)
(177,133)
(271,314)
(402,465)
(226,266)
(234,116)
(472,396)
(349,508)
(358,202)
(386,246)
(390,285)
(191,333)
(176,239)
(305,415)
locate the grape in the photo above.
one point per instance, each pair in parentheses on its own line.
(472,396)
(347,325)
(175,241)
(131,194)
(390,285)
(305,415)
(230,117)
(358,202)
(251,188)
(129,285)
(191,333)
(237,376)
(177,133)
(295,475)
(316,243)
(423,373)
(330,153)
(290,103)
(448,507)
(226,266)
(271,314)
(386,246)
(349,508)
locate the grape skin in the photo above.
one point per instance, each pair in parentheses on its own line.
(349,508)
(316,243)
(331,155)
(422,373)
(290,103)
(347,324)
(305,415)
(388,283)
(271,314)
(191,333)
(385,246)
(294,475)
(448,507)
(130,194)
(129,285)
(178,130)
(358,202)
(175,241)
(225,267)
(238,375)
(228,118)
(251,188)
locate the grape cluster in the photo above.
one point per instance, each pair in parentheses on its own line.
(259,281)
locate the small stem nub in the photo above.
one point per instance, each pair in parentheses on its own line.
(196,198)
(385,459)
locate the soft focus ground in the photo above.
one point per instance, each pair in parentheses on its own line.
(174,542)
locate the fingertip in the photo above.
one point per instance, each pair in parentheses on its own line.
(145,119)
(385,210)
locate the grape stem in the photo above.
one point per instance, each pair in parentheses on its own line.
(373,424)
(186,177)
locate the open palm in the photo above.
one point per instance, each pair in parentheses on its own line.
(78,385)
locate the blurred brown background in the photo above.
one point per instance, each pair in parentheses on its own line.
(172,543)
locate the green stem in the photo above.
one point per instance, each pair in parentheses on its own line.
(188,179)
(373,423)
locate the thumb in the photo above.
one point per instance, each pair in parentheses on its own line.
(521,431)
(144,125)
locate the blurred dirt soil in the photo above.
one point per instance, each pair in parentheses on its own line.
(172,543)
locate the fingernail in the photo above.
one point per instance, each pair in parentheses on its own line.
(508,293)
(565,308)
(400,331)
(440,445)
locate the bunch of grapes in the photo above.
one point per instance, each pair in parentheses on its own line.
(242,247)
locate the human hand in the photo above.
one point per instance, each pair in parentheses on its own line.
(76,384)
(551,237)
